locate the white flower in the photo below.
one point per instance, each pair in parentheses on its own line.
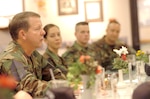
(117,51)
(122,50)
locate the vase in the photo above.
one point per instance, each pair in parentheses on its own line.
(141,66)
(88,93)
(140,70)
(130,72)
(120,74)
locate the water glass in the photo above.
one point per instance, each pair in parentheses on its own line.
(114,81)
(131,59)
(59,83)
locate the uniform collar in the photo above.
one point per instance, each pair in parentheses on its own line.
(79,47)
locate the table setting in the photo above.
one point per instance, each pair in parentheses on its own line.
(132,70)
(92,81)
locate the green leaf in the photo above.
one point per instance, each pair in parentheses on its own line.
(77,68)
(120,64)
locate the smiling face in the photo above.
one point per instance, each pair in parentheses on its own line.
(53,38)
(113,31)
(82,34)
(33,37)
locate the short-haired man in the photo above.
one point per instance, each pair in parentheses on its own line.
(104,46)
(21,60)
(80,46)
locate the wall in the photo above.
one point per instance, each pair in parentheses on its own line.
(5,39)
(111,9)
(7,9)
(144,20)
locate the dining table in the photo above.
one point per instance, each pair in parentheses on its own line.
(123,92)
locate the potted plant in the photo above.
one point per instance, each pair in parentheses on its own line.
(85,66)
(142,56)
(121,61)
(142,60)
(7,85)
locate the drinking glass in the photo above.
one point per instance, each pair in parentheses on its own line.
(114,81)
(131,59)
(59,83)
(132,66)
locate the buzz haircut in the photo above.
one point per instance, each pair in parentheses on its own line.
(81,23)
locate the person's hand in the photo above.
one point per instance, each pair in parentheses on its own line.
(22,95)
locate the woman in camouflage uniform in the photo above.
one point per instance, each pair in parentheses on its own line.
(53,40)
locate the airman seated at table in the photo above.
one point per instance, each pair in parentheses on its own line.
(53,40)
(21,60)
(104,46)
(80,46)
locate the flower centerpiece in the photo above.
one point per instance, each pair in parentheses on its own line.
(7,86)
(142,56)
(84,66)
(121,61)
(142,60)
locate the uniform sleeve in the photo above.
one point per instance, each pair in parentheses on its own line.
(46,66)
(97,53)
(57,73)
(68,58)
(26,81)
(131,50)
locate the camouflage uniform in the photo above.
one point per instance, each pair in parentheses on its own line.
(30,72)
(75,51)
(105,53)
(55,60)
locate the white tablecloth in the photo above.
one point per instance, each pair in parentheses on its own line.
(122,93)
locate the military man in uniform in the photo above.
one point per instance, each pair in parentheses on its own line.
(104,47)
(80,46)
(21,60)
